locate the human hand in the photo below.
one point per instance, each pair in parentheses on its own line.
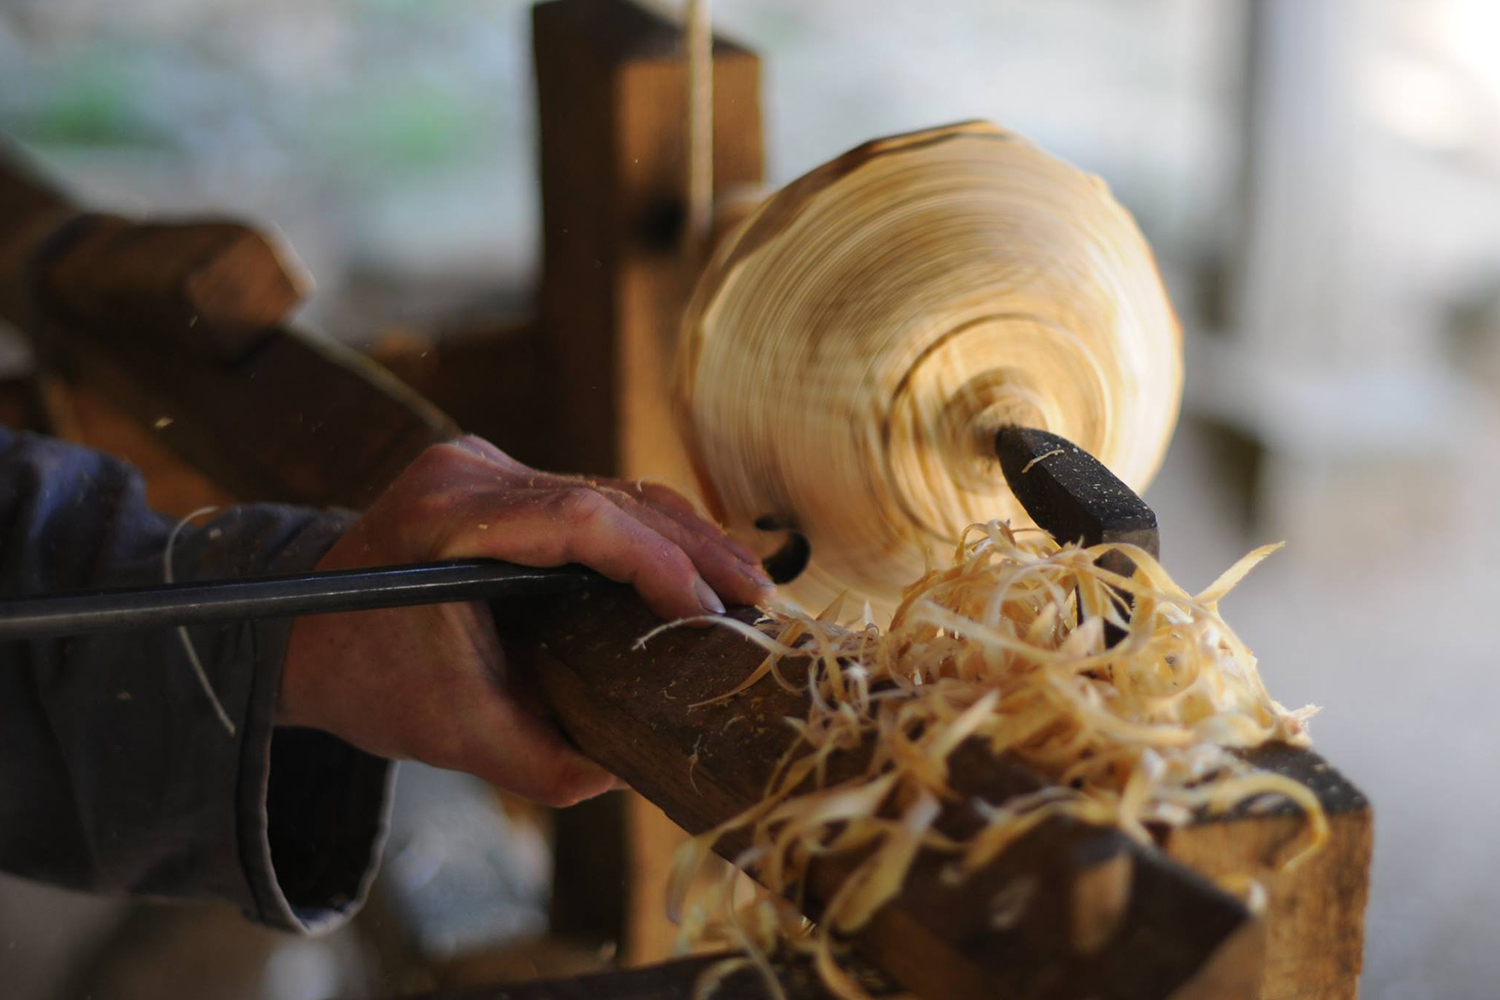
(429,682)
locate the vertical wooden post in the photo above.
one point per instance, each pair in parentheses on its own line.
(612,94)
(613,103)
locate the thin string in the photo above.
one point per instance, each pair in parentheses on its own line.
(182,632)
(698,30)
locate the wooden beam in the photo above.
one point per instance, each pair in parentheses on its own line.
(30,210)
(266,410)
(212,287)
(1316,912)
(1109,917)
(81,414)
(302,419)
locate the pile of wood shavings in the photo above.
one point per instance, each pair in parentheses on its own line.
(1006,646)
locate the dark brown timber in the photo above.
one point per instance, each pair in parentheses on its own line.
(1106,917)
(180,325)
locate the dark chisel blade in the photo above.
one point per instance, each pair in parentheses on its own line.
(1071,494)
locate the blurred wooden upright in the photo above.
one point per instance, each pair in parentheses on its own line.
(612,98)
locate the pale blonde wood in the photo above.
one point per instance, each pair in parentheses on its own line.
(854,344)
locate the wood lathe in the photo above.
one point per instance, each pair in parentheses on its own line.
(1114,918)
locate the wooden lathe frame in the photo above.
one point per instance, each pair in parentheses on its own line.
(270,412)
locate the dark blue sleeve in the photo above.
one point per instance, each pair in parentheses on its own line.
(116,773)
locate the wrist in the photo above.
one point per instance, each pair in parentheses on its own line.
(311,639)
(292,696)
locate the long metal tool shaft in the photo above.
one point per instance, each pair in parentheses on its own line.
(1064,489)
(281,596)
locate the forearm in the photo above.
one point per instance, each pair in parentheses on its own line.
(116,773)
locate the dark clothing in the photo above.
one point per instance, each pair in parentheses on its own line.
(116,775)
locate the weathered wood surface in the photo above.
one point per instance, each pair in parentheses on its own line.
(302,419)
(212,287)
(30,210)
(1316,912)
(80,414)
(1109,917)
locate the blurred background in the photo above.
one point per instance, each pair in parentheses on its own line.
(1320,180)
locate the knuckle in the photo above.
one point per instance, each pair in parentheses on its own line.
(615,495)
(438,459)
(664,493)
(487,451)
(469,452)
(580,505)
(557,798)
(674,565)
(665,496)
(470,444)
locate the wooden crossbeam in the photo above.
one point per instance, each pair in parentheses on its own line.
(181,326)
(1110,918)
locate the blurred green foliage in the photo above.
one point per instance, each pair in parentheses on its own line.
(405,126)
(89,100)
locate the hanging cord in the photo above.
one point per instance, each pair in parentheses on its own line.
(698,31)
(182,632)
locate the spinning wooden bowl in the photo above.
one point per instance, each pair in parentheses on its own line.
(854,343)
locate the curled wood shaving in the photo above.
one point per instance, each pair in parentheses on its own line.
(1006,646)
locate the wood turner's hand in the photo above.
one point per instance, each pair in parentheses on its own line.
(430,682)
